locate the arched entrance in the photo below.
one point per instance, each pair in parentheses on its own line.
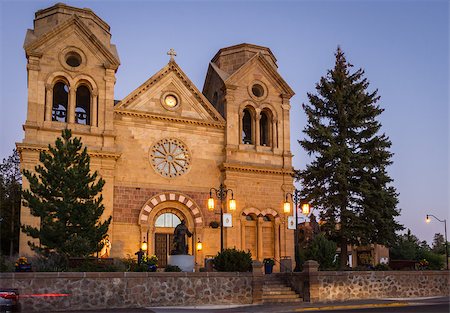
(159,217)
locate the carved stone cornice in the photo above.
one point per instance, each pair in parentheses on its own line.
(144,115)
(255,169)
(38,148)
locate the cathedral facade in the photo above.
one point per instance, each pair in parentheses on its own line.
(164,147)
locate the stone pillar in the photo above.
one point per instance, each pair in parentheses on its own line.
(274,134)
(144,236)
(72,104)
(48,102)
(94,108)
(277,240)
(242,220)
(311,281)
(257,130)
(257,281)
(259,235)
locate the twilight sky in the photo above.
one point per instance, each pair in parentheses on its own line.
(402,45)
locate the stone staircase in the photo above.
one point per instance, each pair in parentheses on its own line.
(275,290)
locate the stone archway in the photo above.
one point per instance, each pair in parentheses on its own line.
(174,202)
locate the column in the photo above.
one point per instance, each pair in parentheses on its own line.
(277,238)
(242,221)
(94,107)
(274,134)
(259,238)
(257,130)
(48,102)
(72,103)
(144,236)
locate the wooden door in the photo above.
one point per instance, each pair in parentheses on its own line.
(268,240)
(163,245)
(250,238)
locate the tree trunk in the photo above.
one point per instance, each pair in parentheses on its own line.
(343,256)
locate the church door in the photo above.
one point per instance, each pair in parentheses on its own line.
(163,245)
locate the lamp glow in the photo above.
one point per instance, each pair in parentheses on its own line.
(232,205)
(427,220)
(210,203)
(144,246)
(199,245)
(305,208)
(287,207)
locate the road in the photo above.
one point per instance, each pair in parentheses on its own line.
(431,305)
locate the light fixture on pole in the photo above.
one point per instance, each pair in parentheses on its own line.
(295,196)
(221,194)
(428,220)
(144,246)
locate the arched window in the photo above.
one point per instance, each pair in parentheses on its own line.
(247,133)
(167,220)
(264,128)
(83,106)
(60,102)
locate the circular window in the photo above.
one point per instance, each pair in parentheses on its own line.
(170,158)
(73,59)
(171,101)
(258,90)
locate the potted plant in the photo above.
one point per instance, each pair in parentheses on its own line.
(22,265)
(268,265)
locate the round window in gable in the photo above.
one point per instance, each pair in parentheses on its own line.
(73,59)
(258,90)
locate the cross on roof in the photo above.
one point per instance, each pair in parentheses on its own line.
(172,54)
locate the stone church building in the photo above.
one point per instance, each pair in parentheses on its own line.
(164,146)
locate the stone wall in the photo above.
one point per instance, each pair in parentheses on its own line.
(341,286)
(45,292)
(316,286)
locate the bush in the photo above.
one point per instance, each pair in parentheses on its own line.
(323,251)
(7,263)
(172,268)
(232,260)
(382,267)
(52,262)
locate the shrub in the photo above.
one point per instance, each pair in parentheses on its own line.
(52,262)
(172,268)
(323,251)
(232,260)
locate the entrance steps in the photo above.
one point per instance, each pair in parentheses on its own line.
(276,291)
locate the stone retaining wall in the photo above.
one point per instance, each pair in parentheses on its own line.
(126,290)
(341,286)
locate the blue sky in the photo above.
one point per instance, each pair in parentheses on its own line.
(403,46)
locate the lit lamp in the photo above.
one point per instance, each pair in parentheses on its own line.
(144,246)
(287,207)
(232,204)
(428,219)
(199,245)
(305,208)
(221,194)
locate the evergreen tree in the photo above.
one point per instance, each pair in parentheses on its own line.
(10,194)
(65,196)
(347,179)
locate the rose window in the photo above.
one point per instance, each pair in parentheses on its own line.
(170,157)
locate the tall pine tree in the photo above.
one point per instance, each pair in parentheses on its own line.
(67,199)
(347,179)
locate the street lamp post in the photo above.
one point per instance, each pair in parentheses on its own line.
(221,194)
(445,234)
(295,196)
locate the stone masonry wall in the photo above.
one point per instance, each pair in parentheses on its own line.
(126,290)
(341,286)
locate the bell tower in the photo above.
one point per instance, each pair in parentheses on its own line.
(71,66)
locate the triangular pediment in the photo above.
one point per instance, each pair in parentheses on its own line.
(72,27)
(150,98)
(259,63)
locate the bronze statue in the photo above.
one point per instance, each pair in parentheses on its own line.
(179,239)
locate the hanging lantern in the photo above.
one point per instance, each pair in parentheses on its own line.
(287,207)
(144,246)
(232,205)
(305,208)
(199,245)
(210,203)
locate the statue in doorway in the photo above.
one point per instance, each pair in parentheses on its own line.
(179,239)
